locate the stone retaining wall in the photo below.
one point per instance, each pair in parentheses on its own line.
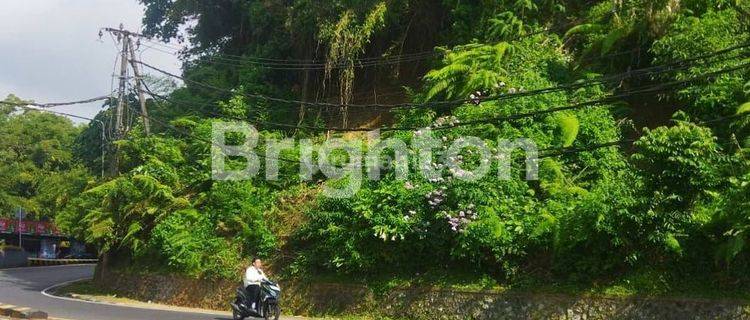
(421,303)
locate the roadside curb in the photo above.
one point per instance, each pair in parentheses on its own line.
(16,312)
(49,292)
(58,262)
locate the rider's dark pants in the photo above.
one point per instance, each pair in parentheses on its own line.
(253,294)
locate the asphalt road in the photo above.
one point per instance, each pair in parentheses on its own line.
(23,286)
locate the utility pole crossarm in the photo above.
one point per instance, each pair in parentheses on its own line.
(123,32)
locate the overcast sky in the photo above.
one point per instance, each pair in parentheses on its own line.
(50,49)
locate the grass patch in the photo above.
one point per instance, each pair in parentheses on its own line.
(84,287)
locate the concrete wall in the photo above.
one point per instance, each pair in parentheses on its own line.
(424,303)
(12,258)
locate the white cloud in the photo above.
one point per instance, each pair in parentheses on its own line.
(50,50)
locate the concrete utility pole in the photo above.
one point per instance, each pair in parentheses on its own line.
(127,56)
(121,94)
(20,220)
(139,88)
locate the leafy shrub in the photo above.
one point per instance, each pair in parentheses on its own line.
(678,163)
(187,242)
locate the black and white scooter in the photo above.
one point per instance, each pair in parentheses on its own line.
(268,307)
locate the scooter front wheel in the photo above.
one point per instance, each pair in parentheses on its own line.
(237,316)
(272,312)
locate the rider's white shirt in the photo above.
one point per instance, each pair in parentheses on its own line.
(254,276)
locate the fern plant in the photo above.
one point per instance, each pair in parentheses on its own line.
(506,26)
(467,69)
(119,214)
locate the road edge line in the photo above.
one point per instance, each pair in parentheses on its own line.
(49,295)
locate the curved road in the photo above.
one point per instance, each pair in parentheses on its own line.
(23,286)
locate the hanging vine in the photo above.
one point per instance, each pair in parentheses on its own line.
(346,40)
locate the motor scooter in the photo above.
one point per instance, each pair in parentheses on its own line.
(267,308)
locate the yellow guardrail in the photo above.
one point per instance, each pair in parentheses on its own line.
(54,262)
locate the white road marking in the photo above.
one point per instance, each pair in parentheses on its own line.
(46,293)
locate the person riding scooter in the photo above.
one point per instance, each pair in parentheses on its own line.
(253,277)
(258,296)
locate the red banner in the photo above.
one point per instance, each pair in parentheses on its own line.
(23,227)
(41,228)
(28,227)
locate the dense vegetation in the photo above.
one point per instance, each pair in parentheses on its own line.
(38,170)
(675,202)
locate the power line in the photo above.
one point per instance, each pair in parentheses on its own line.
(730,117)
(194,136)
(552,152)
(547,153)
(648,71)
(359,63)
(356,62)
(556,152)
(301,66)
(294,62)
(590,103)
(55,104)
(39,107)
(569,150)
(574,85)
